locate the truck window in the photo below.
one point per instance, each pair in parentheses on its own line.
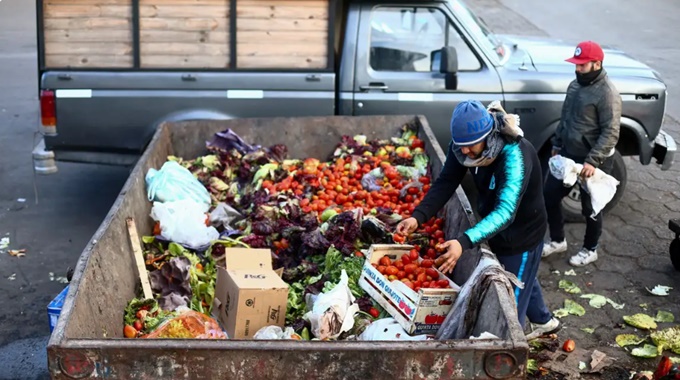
(403,38)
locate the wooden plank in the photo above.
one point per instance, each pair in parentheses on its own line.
(81,35)
(138,254)
(268,50)
(283,25)
(281,11)
(87,2)
(314,36)
(184,11)
(184,36)
(64,11)
(183,2)
(284,62)
(294,3)
(184,24)
(88,48)
(73,60)
(178,48)
(184,61)
(87,23)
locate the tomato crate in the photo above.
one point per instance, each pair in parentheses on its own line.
(421,312)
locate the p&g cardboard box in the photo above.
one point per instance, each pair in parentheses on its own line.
(249,294)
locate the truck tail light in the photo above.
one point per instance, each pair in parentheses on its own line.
(76,365)
(48,109)
(501,365)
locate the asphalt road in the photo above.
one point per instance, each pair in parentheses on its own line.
(53,217)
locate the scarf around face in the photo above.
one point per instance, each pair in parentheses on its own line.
(505,129)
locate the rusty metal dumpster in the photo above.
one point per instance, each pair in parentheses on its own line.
(88,343)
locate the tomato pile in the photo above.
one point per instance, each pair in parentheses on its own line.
(414,272)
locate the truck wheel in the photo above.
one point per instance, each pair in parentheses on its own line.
(674,250)
(571,204)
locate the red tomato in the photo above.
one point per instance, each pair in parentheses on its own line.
(427,263)
(405,259)
(399,264)
(410,268)
(443,283)
(385,261)
(401,275)
(432,273)
(413,255)
(391,270)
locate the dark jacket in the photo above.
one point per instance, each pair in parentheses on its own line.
(590,122)
(511,204)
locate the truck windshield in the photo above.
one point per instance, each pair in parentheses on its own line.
(478,27)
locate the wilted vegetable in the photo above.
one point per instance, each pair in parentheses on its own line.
(667,339)
(647,351)
(624,340)
(664,317)
(641,321)
(569,287)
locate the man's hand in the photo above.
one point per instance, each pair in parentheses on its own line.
(588,170)
(407,226)
(447,261)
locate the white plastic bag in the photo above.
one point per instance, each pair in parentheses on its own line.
(601,186)
(388,329)
(183,222)
(174,183)
(276,333)
(333,313)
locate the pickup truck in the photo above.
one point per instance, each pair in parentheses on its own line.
(112,71)
(88,341)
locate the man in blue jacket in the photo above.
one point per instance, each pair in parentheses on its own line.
(507,174)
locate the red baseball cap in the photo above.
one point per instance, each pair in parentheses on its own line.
(585,52)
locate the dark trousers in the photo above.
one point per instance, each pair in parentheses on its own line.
(530,299)
(553,192)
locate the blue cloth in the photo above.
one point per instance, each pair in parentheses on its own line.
(530,299)
(470,123)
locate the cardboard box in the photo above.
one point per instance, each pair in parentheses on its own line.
(249,294)
(420,312)
(54,308)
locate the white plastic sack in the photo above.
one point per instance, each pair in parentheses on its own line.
(601,186)
(174,183)
(276,333)
(333,313)
(183,222)
(387,329)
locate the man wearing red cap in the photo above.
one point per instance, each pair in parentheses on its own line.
(587,133)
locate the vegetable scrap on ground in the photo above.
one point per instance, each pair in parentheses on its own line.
(317,217)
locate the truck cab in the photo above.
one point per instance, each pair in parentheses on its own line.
(308,58)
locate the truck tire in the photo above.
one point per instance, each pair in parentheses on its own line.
(571,204)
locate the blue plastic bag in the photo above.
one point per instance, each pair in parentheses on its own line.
(175,183)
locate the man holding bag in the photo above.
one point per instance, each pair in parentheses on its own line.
(507,174)
(587,133)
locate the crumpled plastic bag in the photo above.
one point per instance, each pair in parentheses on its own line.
(388,329)
(174,182)
(368,181)
(188,324)
(183,222)
(276,333)
(224,215)
(332,313)
(601,186)
(461,320)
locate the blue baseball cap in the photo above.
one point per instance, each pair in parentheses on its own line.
(470,123)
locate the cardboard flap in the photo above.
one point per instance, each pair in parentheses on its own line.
(257,279)
(248,258)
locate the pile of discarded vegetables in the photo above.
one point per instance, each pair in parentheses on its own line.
(316,217)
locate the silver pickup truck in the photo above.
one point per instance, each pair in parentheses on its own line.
(416,57)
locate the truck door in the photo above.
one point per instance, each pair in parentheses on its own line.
(396,73)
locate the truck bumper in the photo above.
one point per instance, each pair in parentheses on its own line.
(43,160)
(664,150)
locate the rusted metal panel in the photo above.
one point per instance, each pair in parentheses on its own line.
(89,330)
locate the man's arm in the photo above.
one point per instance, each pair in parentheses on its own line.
(512,184)
(449,178)
(609,121)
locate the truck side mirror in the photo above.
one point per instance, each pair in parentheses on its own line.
(446,61)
